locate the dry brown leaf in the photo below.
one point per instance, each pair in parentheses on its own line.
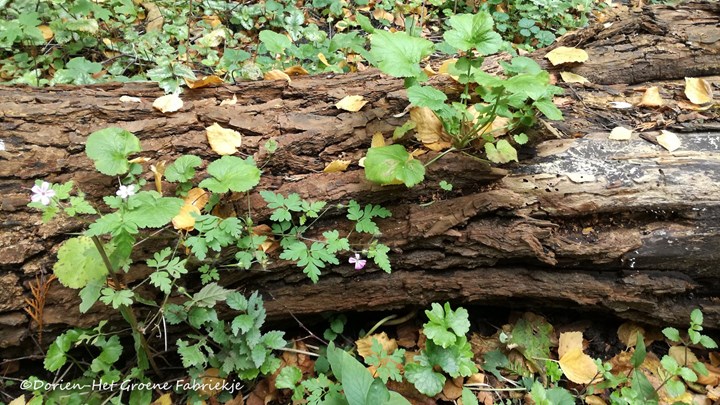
(569,341)
(668,140)
(651,98)
(698,91)
(223,141)
(570,77)
(714,358)
(193,203)
(381,14)
(683,355)
(168,103)
(377,140)
(444,68)
(428,127)
(620,134)
(337,166)
(713,377)
(164,399)
(128,99)
(578,366)
(158,171)
(564,54)
(277,75)
(46,32)
(453,388)
(153,19)
(364,345)
(351,103)
(230,101)
(206,81)
(594,400)
(212,20)
(296,70)
(438,146)
(627,333)
(211,384)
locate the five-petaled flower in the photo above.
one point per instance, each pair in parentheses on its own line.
(126,191)
(359,262)
(42,193)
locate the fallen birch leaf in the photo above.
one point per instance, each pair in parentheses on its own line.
(569,341)
(195,201)
(578,366)
(620,134)
(669,140)
(564,54)
(223,141)
(627,333)
(428,128)
(351,103)
(296,70)
(651,98)
(570,77)
(277,75)
(698,91)
(337,166)
(206,81)
(154,20)
(168,103)
(47,32)
(377,140)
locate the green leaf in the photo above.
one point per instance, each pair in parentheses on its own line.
(231,173)
(424,379)
(426,96)
(151,210)
(688,375)
(502,152)
(237,301)
(549,109)
(191,355)
(390,164)
(674,388)
(521,139)
(182,169)
(90,294)
(274,42)
(468,397)
(209,295)
(533,86)
(473,32)
(116,299)
(109,149)
(161,280)
(445,185)
(696,316)
(398,54)
(242,323)
(670,364)
(55,357)
(560,396)
(672,334)
(446,325)
(289,377)
(79,262)
(364,23)
(639,355)
(707,342)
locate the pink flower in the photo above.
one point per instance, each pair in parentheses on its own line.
(42,193)
(359,263)
(126,191)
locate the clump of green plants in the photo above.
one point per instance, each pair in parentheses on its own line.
(490,108)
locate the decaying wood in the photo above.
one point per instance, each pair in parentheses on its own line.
(582,221)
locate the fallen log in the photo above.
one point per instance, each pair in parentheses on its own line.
(621,226)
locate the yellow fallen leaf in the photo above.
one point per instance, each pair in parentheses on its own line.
(683,355)
(223,141)
(153,19)
(444,68)
(569,341)
(195,201)
(570,77)
(381,14)
(296,70)
(564,54)
(46,32)
(668,140)
(168,103)
(351,103)
(698,91)
(428,128)
(231,101)
(323,59)
(211,384)
(377,140)
(164,399)
(213,38)
(128,99)
(651,98)
(204,82)
(197,197)
(578,367)
(428,70)
(364,345)
(212,20)
(337,166)
(594,400)
(158,170)
(628,332)
(438,146)
(416,153)
(277,75)
(620,134)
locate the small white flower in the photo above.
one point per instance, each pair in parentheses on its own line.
(359,263)
(42,193)
(126,191)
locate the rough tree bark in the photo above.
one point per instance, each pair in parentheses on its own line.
(625,227)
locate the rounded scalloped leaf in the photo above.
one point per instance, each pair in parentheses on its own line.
(79,262)
(109,149)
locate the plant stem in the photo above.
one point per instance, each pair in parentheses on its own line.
(452,149)
(125,310)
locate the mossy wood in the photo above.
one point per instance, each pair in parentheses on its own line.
(581,221)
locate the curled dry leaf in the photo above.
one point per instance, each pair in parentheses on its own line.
(627,333)
(193,203)
(296,70)
(651,98)
(364,345)
(337,166)
(668,140)
(428,128)
(564,54)
(570,77)
(277,75)
(453,388)
(158,171)
(620,134)
(223,141)
(698,91)
(168,103)
(351,103)
(206,81)
(569,341)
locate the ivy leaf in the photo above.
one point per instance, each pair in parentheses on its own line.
(109,149)
(473,31)
(182,169)
(502,152)
(79,262)
(231,173)
(151,210)
(390,164)
(426,96)
(398,54)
